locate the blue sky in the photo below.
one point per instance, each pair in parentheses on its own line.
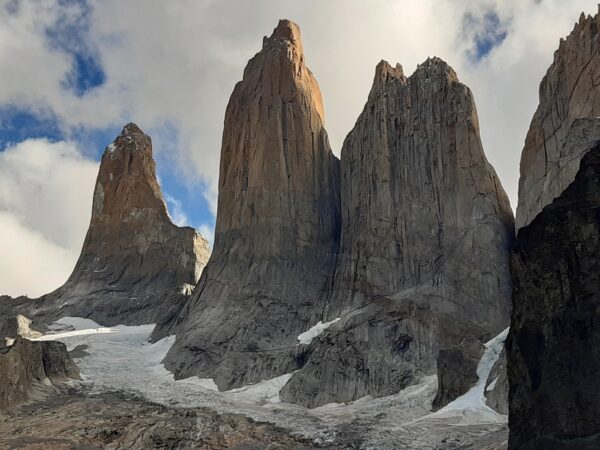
(74,72)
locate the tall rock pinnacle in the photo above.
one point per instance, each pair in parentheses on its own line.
(566,123)
(135,262)
(277,225)
(426,231)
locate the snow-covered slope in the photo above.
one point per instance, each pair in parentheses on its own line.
(121,358)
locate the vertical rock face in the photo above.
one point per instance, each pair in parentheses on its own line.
(426,231)
(553,347)
(134,263)
(277,225)
(554,344)
(566,123)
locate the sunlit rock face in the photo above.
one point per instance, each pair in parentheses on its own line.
(565,124)
(553,357)
(135,263)
(425,238)
(277,227)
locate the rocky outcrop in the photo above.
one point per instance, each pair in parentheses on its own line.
(277,227)
(117,420)
(554,344)
(457,370)
(29,370)
(565,124)
(425,238)
(135,265)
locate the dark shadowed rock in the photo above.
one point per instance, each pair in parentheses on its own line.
(426,232)
(496,386)
(277,226)
(554,343)
(136,266)
(457,370)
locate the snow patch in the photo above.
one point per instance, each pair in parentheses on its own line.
(266,391)
(306,337)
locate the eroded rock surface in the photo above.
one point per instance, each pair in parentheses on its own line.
(277,227)
(426,232)
(125,422)
(135,263)
(30,370)
(565,124)
(554,343)
(457,370)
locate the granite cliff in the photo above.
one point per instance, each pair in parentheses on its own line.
(135,266)
(425,238)
(277,227)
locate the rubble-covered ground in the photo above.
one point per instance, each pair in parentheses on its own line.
(125,390)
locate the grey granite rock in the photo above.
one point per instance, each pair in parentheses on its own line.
(30,370)
(565,124)
(277,226)
(135,263)
(426,232)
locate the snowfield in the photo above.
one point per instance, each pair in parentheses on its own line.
(121,358)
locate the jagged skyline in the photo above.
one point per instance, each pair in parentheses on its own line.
(102,68)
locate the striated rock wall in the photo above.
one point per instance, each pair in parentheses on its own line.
(277,227)
(135,263)
(554,344)
(426,232)
(565,124)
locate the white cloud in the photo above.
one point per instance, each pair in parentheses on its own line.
(45,205)
(176,212)
(176,63)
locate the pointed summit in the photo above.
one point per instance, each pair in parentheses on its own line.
(286,32)
(127,182)
(277,225)
(134,262)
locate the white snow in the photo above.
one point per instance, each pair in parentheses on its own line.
(121,358)
(111,147)
(306,337)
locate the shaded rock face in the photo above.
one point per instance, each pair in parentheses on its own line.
(277,227)
(554,343)
(457,371)
(135,263)
(425,238)
(566,123)
(496,386)
(29,370)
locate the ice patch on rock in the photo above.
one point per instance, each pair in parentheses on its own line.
(307,337)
